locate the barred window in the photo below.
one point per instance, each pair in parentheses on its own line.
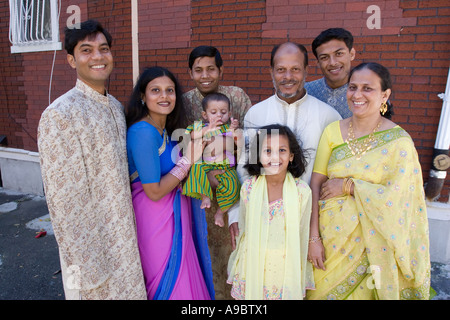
(34,25)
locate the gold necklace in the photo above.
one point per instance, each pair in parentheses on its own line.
(357,148)
(153,121)
(164,131)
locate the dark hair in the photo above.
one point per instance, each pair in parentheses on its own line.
(299,46)
(215,96)
(298,165)
(332,34)
(385,80)
(136,110)
(205,51)
(87,29)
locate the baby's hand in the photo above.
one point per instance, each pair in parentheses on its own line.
(214,122)
(234,124)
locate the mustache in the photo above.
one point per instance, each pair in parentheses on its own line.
(289,82)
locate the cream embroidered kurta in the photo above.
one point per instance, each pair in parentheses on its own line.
(82,148)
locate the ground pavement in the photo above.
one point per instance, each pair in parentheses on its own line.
(29,265)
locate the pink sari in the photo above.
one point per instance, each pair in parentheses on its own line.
(172,268)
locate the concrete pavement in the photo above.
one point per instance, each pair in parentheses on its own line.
(29,266)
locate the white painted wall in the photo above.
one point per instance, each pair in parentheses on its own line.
(20,171)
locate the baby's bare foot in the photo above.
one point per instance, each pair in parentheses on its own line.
(218,218)
(206,202)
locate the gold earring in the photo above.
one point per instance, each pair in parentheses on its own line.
(383,108)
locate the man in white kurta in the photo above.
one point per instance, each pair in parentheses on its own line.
(305,115)
(82,148)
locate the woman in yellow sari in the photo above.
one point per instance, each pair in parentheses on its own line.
(369,226)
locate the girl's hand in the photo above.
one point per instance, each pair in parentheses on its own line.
(331,188)
(234,232)
(316,254)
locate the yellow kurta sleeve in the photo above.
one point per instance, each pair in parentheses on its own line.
(331,138)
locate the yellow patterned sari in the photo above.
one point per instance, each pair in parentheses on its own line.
(376,242)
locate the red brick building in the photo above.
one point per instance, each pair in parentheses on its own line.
(411,38)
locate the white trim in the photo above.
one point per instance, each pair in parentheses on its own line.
(36,47)
(438,174)
(443,132)
(135,39)
(438,210)
(439,225)
(19,154)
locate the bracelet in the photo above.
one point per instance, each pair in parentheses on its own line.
(184,162)
(347,186)
(181,169)
(315,239)
(344,183)
(351,183)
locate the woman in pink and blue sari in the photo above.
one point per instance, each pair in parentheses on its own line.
(171,229)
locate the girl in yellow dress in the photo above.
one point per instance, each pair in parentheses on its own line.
(270,260)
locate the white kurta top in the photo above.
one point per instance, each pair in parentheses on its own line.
(82,148)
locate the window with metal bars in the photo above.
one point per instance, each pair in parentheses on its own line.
(34,25)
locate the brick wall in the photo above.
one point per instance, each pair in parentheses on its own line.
(12,96)
(25,82)
(413,42)
(164,25)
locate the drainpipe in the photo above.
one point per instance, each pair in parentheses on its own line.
(135,39)
(441,160)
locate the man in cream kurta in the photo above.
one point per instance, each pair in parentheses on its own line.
(82,148)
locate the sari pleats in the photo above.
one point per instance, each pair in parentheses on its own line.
(174,251)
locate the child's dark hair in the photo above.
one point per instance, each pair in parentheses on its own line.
(298,165)
(88,29)
(215,96)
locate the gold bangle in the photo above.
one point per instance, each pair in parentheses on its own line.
(344,184)
(347,186)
